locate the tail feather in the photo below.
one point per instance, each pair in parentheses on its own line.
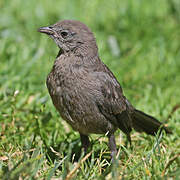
(142,122)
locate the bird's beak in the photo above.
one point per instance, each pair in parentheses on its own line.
(46,30)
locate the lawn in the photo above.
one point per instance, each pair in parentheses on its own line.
(138,40)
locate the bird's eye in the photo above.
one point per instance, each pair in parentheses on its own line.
(64,34)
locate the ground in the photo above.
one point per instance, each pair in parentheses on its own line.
(138,40)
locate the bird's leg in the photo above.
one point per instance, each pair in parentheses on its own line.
(112,146)
(84,142)
(128,140)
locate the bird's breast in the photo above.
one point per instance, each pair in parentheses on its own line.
(66,83)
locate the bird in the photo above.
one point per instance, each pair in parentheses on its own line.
(86,93)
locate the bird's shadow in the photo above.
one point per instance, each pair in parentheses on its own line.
(74,153)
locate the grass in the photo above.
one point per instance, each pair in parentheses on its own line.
(35,143)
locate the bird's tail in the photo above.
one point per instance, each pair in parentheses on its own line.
(142,122)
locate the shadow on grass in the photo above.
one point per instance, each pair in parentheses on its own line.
(75,154)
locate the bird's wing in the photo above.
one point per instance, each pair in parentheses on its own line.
(112,104)
(113,100)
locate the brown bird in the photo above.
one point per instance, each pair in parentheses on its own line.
(86,93)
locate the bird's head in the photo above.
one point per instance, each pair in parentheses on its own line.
(71,35)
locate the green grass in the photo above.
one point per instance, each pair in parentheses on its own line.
(35,143)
